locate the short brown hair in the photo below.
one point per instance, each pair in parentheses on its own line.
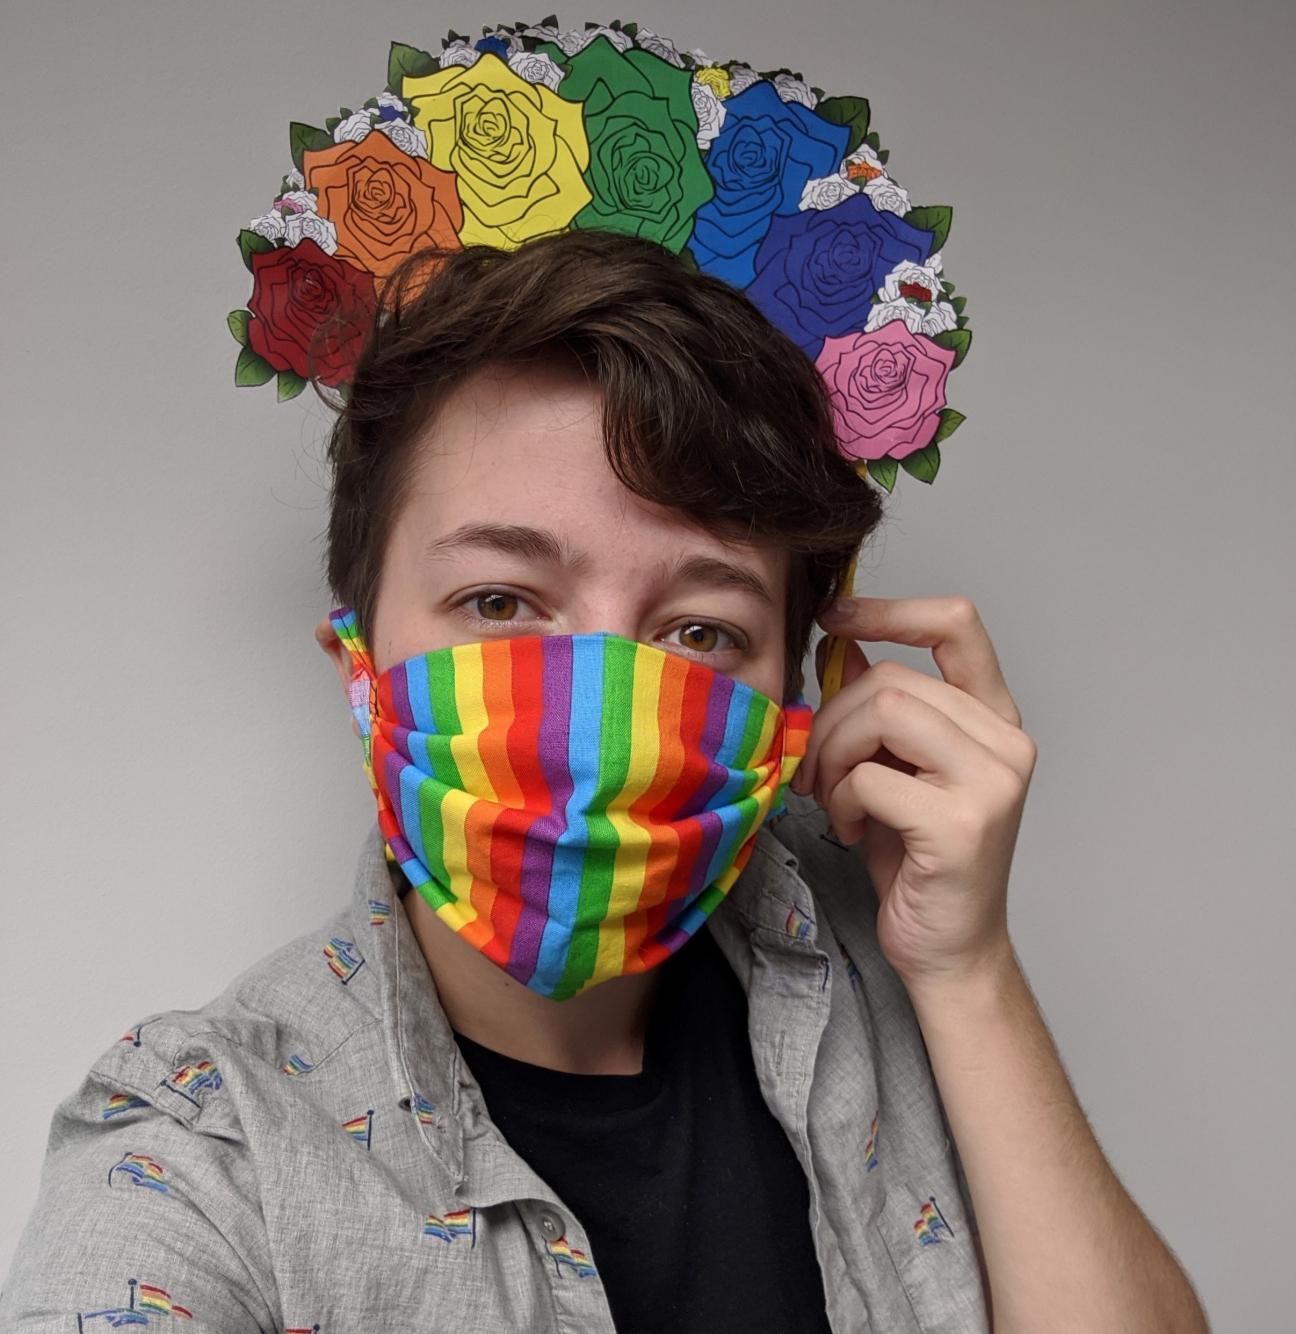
(707,407)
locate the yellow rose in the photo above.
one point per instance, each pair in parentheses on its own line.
(716,77)
(517,149)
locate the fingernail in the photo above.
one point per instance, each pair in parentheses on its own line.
(842,607)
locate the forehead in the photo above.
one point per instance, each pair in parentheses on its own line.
(524,445)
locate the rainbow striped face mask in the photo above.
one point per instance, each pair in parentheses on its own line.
(575,806)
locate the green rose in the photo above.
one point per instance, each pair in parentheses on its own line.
(645,175)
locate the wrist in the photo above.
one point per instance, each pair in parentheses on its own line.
(975,985)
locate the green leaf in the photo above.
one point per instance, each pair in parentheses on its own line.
(289,385)
(407,62)
(251,370)
(934,218)
(252,243)
(882,155)
(554,52)
(550,22)
(852,112)
(874,142)
(303,138)
(630,29)
(332,122)
(949,423)
(958,302)
(922,463)
(883,472)
(954,340)
(238,322)
(689,259)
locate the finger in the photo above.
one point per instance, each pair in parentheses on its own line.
(871,791)
(950,626)
(912,730)
(1008,743)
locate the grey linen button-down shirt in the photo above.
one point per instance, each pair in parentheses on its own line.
(309,1151)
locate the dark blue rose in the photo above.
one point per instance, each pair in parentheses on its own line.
(760,161)
(497,46)
(390,113)
(817,271)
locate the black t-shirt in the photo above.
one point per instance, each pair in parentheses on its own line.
(695,1205)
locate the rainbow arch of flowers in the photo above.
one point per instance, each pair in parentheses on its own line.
(754,176)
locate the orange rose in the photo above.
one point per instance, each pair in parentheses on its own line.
(384,203)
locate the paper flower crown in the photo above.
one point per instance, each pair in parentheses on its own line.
(752,176)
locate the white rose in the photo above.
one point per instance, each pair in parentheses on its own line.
(740,77)
(356,126)
(270,225)
(700,56)
(826,191)
(573,40)
(541,33)
(459,53)
(886,311)
(386,99)
(535,67)
(926,276)
(940,318)
(298,201)
(408,138)
(648,40)
(794,90)
(303,226)
(884,193)
(710,110)
(296,181)
(865,155)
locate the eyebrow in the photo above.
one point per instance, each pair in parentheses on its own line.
(543,544)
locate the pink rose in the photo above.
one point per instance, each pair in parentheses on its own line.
(887,389)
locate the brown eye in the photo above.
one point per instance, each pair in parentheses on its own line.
(699,636)
(493,610)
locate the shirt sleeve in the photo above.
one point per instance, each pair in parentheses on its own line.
(139,1220)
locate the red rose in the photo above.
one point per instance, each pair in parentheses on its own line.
(311,313)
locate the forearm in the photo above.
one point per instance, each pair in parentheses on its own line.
(1065,1247)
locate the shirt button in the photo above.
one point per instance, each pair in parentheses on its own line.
(551,1225)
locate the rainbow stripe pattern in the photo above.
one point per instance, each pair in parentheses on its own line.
(143,1171)
(870,1147)
(360,1128)
(343,958)
(121,1102)
(927,1226)
(566,1255)
(191,1080)
(575,806)
(296,1065)
(424,1110)
(458,1223)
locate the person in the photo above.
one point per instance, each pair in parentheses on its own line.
(827,1107)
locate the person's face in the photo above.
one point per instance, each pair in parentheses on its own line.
(515,524)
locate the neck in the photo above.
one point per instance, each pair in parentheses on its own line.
(599,1032)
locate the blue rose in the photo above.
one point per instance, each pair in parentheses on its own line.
(818,271)
(760,161)
(496,45)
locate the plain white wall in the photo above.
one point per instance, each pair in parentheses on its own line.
(181,788)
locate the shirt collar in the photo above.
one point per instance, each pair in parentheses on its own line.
(768,903)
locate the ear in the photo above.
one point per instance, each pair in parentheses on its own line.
(326,637)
